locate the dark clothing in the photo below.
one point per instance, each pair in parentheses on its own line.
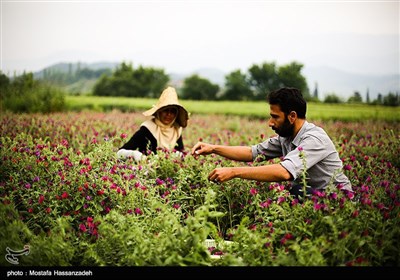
(144,141)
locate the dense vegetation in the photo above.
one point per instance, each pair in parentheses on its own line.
(25,94)
(64,194)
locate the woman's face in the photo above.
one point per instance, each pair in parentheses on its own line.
(167,114)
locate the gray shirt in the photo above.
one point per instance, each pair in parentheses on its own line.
(322,160)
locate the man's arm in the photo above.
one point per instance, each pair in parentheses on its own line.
(239,153)
(268,173)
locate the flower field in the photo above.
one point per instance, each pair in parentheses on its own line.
(65,194)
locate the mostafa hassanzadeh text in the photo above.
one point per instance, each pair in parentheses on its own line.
(54,272)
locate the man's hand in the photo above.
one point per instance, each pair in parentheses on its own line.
(202,149)
(222,174)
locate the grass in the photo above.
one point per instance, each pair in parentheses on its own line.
(256,109)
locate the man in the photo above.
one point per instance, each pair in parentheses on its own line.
(296,136)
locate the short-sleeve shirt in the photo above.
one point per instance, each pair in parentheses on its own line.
(322,161)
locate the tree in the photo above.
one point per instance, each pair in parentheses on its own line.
(332,98)
(391,99)
(237,87)
(356,98)
(4,82)
(290,76)
(27,95)
(315,94)
(267,77)
(367,97)
(198,88)
(263,79)
(379,98)
(127,81)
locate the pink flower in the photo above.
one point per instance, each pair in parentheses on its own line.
(82,228)
(176,206)
(138,211)
(350,195)
(347,167)
(64,143)
(281,199)
(64,195)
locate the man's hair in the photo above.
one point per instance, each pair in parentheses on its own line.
(289,99)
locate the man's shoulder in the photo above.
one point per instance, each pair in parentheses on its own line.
(313,131)
(313,128)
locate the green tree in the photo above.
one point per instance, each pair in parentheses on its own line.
(263,79)
(379,98)
(315,94)
(27,95)
(4,83)
(237,87)
(391,99)
(267,77)
(151,81)
(198,88)
(367,98)
(356,98)
(127,81)
(289,75)
(332,98)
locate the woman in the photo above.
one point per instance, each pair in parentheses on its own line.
(162,131)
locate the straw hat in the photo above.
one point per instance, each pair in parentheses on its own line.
(170,97)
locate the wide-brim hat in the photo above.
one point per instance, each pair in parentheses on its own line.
(169,97)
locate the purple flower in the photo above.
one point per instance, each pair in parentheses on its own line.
(138,211)
(253,191)
(347,167)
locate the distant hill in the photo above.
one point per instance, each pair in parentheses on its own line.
(65,67)
(327,79)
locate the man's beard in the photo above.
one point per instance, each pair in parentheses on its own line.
(286,130)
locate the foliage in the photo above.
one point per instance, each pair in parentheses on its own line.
(198,88)
(391,99)
(267,77)
(24,94)
(356,98)
(64,193)
(332,98)
(237,87)
(290,76)
(61,78)
(127,81)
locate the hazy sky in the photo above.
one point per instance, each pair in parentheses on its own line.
(180,36)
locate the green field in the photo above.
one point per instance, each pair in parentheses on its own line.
(257,109)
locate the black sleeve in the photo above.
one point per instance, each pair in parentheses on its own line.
(179,144)
(141,140)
